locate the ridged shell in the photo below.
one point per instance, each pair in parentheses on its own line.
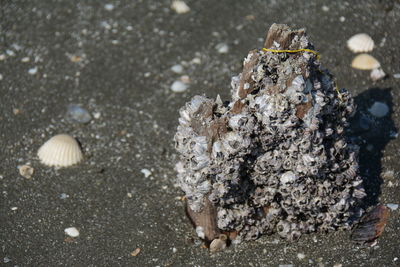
(61,150)
(361,42)
(365,62)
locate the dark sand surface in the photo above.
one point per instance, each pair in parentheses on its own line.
(124,79)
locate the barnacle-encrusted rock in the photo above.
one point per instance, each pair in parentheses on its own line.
(274,158)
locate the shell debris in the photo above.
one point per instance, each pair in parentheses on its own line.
(60,151)
(26,171)
(135,252)
(360,43)
(180,7)
(365,62)
(72,231)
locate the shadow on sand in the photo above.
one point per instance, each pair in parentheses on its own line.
(372,134)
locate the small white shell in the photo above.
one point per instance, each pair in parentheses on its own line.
(218,244)
(361,42)
(61,150)
(365,62)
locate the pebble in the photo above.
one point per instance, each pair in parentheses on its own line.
(146,172)
(77,114)
(25,59)
(196,60)
(389,174)
(342,19)
(6,260)
(14,208)
(396,75)
(26,171)
(1,77)
(301,256)
(97,115)
(71,231)
(325,8)
(178,87)
(180,7)
(33,71)
(379,109)
(64,196)
(177,68)
(222,48)
(392,206)
(2,57)
(109,7)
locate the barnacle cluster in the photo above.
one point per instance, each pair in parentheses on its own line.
(274,158)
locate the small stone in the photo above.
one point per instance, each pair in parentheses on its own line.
(25,59)
(64,196)
(200,232)
(75,58)
(342,19)
(396,75)
(392,206)
(77,114)
(16,111)
(389,174)
(109,7)
(185,79)
(147,74)
(379,109)
(174,250)
(177,68)
(1,76)
(325,8)
(178,87)
(6,260)
(33,71)
(222,48)
(337,265)
(180,7)
(196,60)
(96,115)
(26,171)
(135,252)
(129,195)
(71,231)
(2,57)
(14,208)
(301,256)
(146,172)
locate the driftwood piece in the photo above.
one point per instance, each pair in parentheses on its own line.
(283,35)
(206,218)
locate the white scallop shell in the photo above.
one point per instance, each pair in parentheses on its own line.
(365,62)
(361,42)
(61,150)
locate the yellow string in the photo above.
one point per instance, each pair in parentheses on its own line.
(292,51)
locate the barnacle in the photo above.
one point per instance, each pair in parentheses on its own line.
(274,159)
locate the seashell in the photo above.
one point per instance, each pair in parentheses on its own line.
(360,43)
(377,74)
(218,244)
(61,151)
(365,62)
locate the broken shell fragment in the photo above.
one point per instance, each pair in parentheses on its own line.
(218,244)
(360,42)
(61,151)
(365,62)
(371,225)
(26,171)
